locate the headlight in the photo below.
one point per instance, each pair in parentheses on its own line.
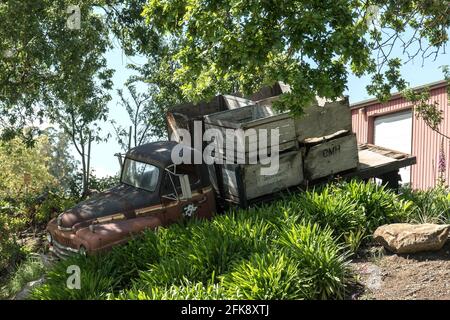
(82,251)
(49,238)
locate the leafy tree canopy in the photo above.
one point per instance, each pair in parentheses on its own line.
(44,63)
(25,170)
(309,44)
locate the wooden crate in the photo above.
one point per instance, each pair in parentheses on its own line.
(333,155)
(320,121)
(183,116)
(270,91)
(267,102)
(246,123)
(242,183)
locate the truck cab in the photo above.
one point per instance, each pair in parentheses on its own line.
(153,192)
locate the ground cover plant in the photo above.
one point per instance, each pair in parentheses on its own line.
(295,248)
(30,269)
(429,206)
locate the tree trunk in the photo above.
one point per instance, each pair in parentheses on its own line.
(83,163)
(88,171)
(129,137)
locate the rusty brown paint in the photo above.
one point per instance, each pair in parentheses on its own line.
(116,215)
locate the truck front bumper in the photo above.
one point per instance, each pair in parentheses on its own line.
(104,236)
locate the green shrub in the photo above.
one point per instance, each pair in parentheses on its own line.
(96,279)
(322,261)
(30,269)
(430,206)
(354,239)
(380,205)
(137,255)
(21,213)
(328,207)
(75,184)
(201,249)
(235,257)
(100,274)
(352,209)
(10,252)
(187,290)
(266,276)
(54,203)
(103,183)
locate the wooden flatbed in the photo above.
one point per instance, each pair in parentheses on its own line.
(375,162)
(378,162)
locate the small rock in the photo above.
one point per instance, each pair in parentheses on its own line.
(374,280)
(25,292)
(412,238)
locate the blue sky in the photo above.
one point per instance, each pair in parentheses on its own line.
(103,160)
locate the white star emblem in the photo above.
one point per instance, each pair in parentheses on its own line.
(189,210)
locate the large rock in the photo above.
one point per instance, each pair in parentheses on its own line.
(411,238)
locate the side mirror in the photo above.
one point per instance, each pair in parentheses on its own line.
(119,157)
(185,187)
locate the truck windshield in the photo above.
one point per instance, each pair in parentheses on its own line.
(140,175)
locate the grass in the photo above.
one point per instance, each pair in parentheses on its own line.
(284,265)
(430,206)
(296,248)
(30,269)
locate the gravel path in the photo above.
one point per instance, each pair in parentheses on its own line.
(405,277)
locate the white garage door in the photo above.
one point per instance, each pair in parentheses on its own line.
(394,131)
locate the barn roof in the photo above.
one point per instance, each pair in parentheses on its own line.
(365,103)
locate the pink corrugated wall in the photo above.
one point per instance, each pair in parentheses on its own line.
(426,142)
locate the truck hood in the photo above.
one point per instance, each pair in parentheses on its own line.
(120,199)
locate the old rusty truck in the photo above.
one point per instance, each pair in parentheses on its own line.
(156,190)
(153,192)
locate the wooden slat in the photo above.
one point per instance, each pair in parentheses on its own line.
(245,157)
(312,141)
(374,162)
(322,121)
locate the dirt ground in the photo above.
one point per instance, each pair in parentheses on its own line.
(387,276)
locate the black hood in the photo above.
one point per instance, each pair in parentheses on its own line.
(120,199)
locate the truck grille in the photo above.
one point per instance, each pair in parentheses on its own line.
(61,250)
(64,242)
